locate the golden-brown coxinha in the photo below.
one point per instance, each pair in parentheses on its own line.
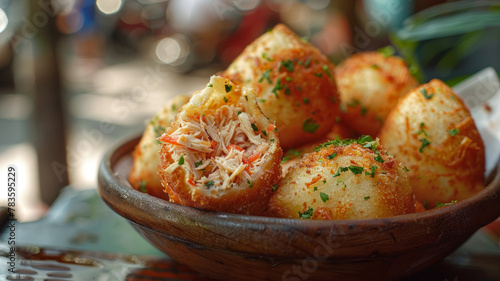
(294,82)
(221,153)
(144,173)
(432,132)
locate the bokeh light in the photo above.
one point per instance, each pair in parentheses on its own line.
(246,5)
(109,7)
(3,21)
(172,50)
(168,50)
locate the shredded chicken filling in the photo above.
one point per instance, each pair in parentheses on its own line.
(218,149)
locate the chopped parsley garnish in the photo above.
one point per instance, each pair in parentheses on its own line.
(324,181)
(365,140)
(353,103)
(326,70)
(426,95)
(210,85)
(290,154)
(378,158)
(422,131)
(439,204)
(453,132)
(228,88)
(264,133)
(372,174)
(307,63)
(315,188)
(374,66)
(331,156)
(288,64)
(310,126)
(371,145)
(324,196)
(181,160)
(294,152)
(425,143)
(287,90)
(209,184)
(262,100)
(340,170)
(306,100)
(363,111)
(319,74)
(279,86)
(356,169)
(366,197)
(250,183)
(288,79)
(386,51)
(174,107)
(225,99)
(239,112)
(142,187)
(274,186)
(406,169)
(266,76)
(264,56)
(254,127)
(307,214)
(197,164)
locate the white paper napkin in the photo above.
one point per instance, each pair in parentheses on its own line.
(481,93)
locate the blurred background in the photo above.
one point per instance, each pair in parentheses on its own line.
(78,75)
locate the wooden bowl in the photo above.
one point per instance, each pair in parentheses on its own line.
(241,247)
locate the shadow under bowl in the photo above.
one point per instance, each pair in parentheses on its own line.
(242,247)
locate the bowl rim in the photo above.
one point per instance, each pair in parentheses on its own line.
(108,181)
